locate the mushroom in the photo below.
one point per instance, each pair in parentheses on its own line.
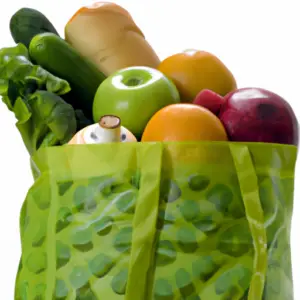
(107,130)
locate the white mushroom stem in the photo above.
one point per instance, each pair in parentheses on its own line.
(109,129)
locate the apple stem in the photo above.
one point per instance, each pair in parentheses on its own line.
(135,81)
(109,129)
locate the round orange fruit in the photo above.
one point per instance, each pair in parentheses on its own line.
(184,122)
(193,71)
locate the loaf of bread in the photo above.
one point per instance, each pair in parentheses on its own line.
(106,34)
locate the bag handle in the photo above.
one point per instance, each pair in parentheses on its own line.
(144,223)
(248,182)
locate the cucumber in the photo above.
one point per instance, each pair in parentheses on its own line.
(61,59)
(27,23)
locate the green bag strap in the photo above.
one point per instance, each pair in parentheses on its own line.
(254,213)
(144,224)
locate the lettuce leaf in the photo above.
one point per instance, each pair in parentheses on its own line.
(33,95)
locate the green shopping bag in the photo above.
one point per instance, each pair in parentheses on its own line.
(161,221)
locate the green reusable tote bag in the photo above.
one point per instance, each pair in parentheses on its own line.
(158,221)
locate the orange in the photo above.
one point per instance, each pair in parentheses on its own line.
(184,122)
(193,71)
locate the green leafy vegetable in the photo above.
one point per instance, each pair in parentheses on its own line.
(15,65)
(44,119)
(33,94)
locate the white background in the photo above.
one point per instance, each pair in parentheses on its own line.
(257,39)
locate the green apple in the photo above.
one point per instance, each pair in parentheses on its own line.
(134,94)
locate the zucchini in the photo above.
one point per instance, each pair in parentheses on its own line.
(27,23)
(61,59)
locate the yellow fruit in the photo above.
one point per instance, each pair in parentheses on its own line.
(193,71)
(184,122)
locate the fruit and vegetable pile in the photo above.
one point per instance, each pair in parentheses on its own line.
(61,88)
(141,221)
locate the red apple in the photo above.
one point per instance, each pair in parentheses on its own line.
(259,115)
(210,100)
